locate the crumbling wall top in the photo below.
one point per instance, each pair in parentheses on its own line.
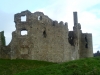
(17,17)
(36,17)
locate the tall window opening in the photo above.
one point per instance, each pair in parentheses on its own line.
(39,17)
(23,18)
(71,40)
(86,45)
(86,41)
(44,34)
(24,32)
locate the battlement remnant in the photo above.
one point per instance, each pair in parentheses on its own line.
(46,39)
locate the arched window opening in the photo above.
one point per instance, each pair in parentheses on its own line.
(39,17)
(23,18)
(44,34)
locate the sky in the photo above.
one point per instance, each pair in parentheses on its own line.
(60,10)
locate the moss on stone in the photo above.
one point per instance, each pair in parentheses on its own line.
(2,38)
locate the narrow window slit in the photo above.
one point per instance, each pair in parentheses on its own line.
(44,34)
(86,39)
(86,45)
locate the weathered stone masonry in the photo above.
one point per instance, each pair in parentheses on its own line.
(47,40)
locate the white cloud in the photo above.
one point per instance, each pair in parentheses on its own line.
(64,12)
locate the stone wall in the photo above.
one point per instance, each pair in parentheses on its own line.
(46,39)
(4,50)
(87,46)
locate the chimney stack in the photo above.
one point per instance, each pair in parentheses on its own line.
(75,18)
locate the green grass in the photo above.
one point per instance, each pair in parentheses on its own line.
(11,67)
(88,66)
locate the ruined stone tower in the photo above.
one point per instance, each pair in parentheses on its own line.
(48,40)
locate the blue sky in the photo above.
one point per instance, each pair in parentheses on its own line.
(61,10)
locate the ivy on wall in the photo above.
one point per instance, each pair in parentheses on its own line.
(2,38)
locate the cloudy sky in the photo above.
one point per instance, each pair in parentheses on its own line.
(61,10)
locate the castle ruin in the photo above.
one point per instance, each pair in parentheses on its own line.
(46,39)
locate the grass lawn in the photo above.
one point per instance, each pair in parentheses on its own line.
(11,67)
(88,66)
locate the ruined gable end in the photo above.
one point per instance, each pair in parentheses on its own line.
(37,37)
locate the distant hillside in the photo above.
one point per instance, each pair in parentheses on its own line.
(88,66)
